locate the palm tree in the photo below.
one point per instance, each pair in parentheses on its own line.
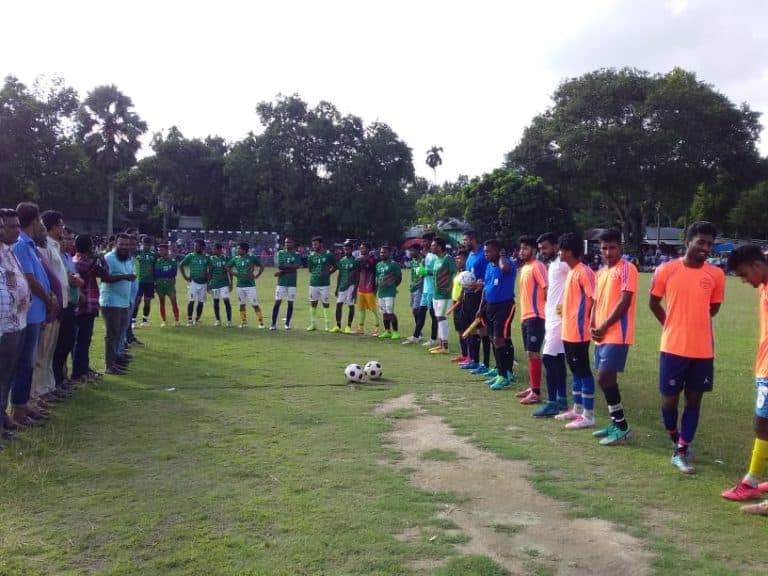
(110,131)
(434,160)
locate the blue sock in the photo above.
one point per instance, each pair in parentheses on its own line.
(577,391)
(588,392)
(289,313)
(552,376)
(464,347)
(275,312)
(670,423)
(688,424)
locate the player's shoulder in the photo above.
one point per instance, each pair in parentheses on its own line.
(715,271)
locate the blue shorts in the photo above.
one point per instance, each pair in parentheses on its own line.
(761,403)
(611,357)
(426,299)
(533,334)
(677,373)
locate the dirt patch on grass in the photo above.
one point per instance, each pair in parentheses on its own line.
(499,494)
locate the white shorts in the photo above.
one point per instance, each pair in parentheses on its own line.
(285,293)
(346,296)
(248,295)
(387,305)
(322,293)
(441,307)
(553,340)
(197,292)
(220,293)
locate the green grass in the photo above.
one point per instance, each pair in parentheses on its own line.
(262,461)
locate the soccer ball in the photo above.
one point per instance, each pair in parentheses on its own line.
(373,370)
(466,279)
(354,373)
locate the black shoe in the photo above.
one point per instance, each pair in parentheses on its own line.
(136,342)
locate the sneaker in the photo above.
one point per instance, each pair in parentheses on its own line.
(395,335)
(440,351)
(217,323)
(190,323)
(261,325)
(412,340)
(287,326)
(438,347)
(680,461)
(523,393)
(229,323)
(569,414)
(603,432)
(481,369)
(243,324)
(145,324)
(162,325)
(430,343)
(742,491)
(616,436)
(336,329)
(133,324)
(272,328)
(532,398)
(376,333)
(471,365)
(385,334)
(490,373)
(348,330)
(311,328)
(500,383)
(546,410)
(759,509)
(459,359)
(580,423)
(177,323)
(198,322)
(359,332)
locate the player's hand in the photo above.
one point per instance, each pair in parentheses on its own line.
(597,334)
(130,277)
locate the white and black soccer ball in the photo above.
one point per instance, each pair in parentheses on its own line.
(466,279)
(354,373)
(373,370)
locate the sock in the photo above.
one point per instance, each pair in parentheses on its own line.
(486,350)
(433,333)
(442,330)
(578,405)
(509,357)
(688,424)
(199,310)
(375,318)
(162,310)
(243,315)
(259,315)
(363,313)
(464,346)
(289,314)
(498,354)
(350,316)
(562,382)
(312,314)
(338,314)
(145,312)
(135,310)
(473,347)
(615,409)
(588,393)
(421,317)
(190,309)
(394,322)
(216,308)
(550,363)
(670,423)
(176,312)
(534,374)
(228,309)
(325,315)
(386,322)
(275,312)
(758,463)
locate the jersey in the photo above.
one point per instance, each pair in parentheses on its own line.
(318,263)
(143,261)
(198,266)
(388,275)
(348,267)
(243,267)
(367,274)
(429,281)
(443,269)
(497,285)
(219,276)
(612,282)
(557,274)
(688,293)
(456,288)
(165,271)
(761,359)
(417,281)
(476,263)
(577,303)
(292,259)
(532,295)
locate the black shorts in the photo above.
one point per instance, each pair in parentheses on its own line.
(498,318)
(533,334)
(146,290)
(577,357)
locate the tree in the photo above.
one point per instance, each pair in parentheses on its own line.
(750,214)
(434,159)
(109,130)
(631,139)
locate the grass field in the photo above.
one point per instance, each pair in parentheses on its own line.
(228,451)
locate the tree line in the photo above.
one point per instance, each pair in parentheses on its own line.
(615,148)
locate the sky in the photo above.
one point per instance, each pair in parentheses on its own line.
(465,76)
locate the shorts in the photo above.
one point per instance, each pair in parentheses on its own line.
(678,373)
(248,295)
(761,403)
(461,319)
(346,296)
(470,304)
(387,305)
(321,293)
(577,358)
(611,357)
(197,292)
(220,293)
(285,293)
(553,340)
(146,290)
(498,318)
(533,334)
(416,300)
(164,288)
(366,301)
(441,307)
(426,299)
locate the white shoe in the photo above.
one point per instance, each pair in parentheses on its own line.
(162,325)
(217,323)
(261,325)
(287,326)
(272,328)
(243,324)
(412,340)
(229,324)
(567,415)
(430,343)
(190,323)
(580,423)
(145,324)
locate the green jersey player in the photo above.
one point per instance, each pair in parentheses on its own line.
(144,261)
(220,284)
(164,274)
(346,287)
(287,261)
(243,268)
(321,264)
(388,278)
(199,264)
